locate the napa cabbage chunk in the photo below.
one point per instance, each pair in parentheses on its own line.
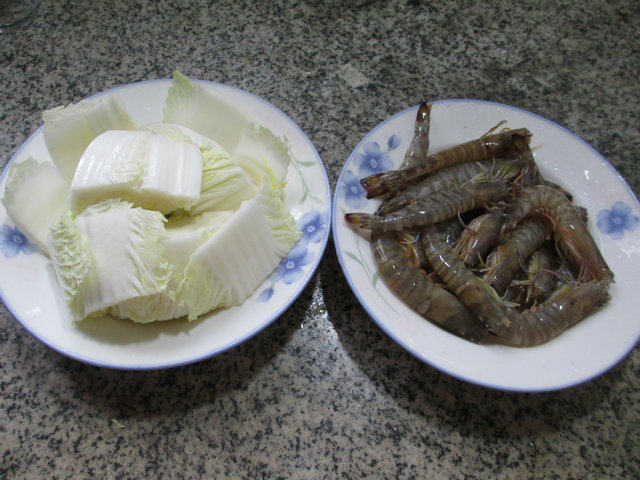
(224,184)
(68,130)
(203,111)
(35,197)
(108,254)
(236,259)
(147,169)
(184,235)
(259,147)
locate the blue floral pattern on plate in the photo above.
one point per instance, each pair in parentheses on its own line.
(13,241)
(313,225)
(616,221)
(372,160)
(354,194)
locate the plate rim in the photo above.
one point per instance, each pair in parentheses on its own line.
(198,358)
(407,347)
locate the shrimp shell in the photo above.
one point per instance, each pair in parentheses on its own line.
(484,148)
(479,236)
(415,288)
(566,307)
(571,234)
(508,258)
(435,208)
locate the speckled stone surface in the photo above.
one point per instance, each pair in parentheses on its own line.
(322,392)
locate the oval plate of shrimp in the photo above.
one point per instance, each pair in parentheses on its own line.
(491,243)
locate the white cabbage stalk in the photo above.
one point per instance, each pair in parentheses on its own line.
(184,235)
(237,258)
(258,147)
(69,130)
(224,184)
(110,253)
(203,111)
(147,169)
(35,197)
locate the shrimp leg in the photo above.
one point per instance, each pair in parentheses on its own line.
(411,243)
(572,236)
(484,148)
(540,282)
(415,288)
(435,208)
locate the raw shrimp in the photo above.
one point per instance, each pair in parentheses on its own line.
(571,234)
(417,151)
(484,148)
(435,208)
(413,286)
(479,236)
(450,178)
(503,262)
(567,306)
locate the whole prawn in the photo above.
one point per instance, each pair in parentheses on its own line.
(415,288)
(571,234)
(484,148)
(434,208)
(567,306)
(453,177)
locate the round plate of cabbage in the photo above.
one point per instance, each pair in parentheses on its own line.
(160,223)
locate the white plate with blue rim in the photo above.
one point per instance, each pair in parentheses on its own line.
(29,288)
(579,354)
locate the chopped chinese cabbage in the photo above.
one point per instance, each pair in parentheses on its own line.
(203,111)
(35,197)
(237,258)
(69,130)
(72,261)
(258,147)
(147,169)
(184,235)
(110,253)
(224,184)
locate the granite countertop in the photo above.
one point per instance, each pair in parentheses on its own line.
(322,392)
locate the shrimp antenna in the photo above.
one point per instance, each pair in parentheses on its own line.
(494,128)
(464,225)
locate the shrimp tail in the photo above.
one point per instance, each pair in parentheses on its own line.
(362,220)
(381,183)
